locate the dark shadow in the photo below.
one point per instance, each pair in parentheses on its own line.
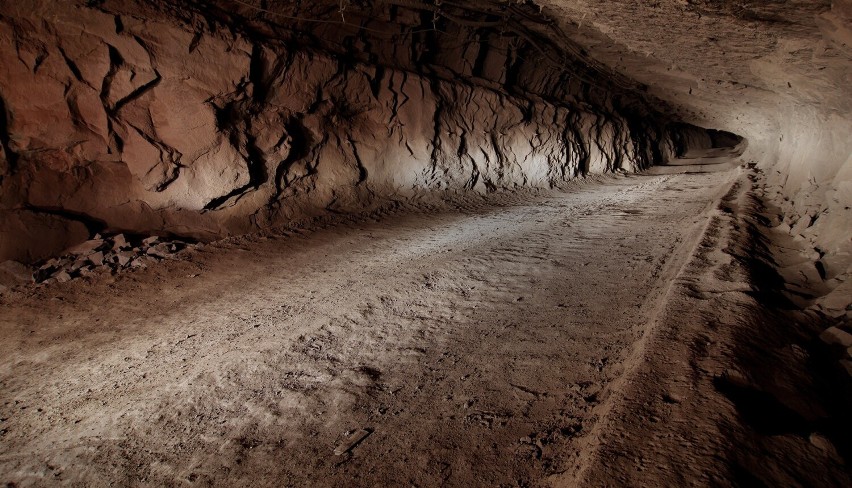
(761,410)
(743,477)
(723,139)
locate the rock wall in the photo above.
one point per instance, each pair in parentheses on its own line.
(809,167)
(778,73)
(131,117)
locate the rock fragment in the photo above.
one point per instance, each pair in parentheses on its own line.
(62,276)
(160,250)
(837,302)
(97,258)
(124,257)
(86,248)
(352,442)
(836,336)
(119,242)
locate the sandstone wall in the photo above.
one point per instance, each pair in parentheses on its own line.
(809,163)
(130,120)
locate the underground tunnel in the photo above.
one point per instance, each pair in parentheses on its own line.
(426,243)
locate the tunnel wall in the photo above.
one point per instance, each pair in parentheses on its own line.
(808,160)
(124,124)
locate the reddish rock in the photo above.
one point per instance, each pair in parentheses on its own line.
(142,123)
(837,336)
(85,248)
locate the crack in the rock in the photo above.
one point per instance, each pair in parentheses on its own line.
(75,70)
(257,75)
(300,147)
(256,166)
(168,155)
(237,124)
(196,40)
(12,156)
(137,93)
(362,170)
(436,135)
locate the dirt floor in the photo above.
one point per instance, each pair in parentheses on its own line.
(509,341)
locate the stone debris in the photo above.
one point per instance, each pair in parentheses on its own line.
(836,303)
(840,341)
(150,241)
(85,248)
(97,258)
(836,336)
(161,250)
(119,242)
(62,276)
(123,258)
(352,441)
(110,254)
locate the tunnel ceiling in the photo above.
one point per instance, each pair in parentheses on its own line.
(722,63)
(451,40)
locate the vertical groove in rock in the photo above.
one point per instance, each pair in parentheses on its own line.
(10,155)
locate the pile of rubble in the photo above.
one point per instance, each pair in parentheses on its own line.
(107,254)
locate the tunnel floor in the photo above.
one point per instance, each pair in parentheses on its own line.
(478,346)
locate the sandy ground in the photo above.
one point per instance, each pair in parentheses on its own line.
(731,386)
(488,345)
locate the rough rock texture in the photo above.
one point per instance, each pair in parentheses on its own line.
(204,119)
(692,335)
(778,73)
(111,254)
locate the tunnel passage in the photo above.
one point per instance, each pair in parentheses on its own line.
(690,141)
(723,139)
(485,242)
(206,119)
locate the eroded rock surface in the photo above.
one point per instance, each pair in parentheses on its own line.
(777,73)
(201,119)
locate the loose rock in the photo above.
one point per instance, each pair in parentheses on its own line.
(86,248)
(836,336)
(119,242)
(97,258)
(150,241)
(62,276)
(106,254)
